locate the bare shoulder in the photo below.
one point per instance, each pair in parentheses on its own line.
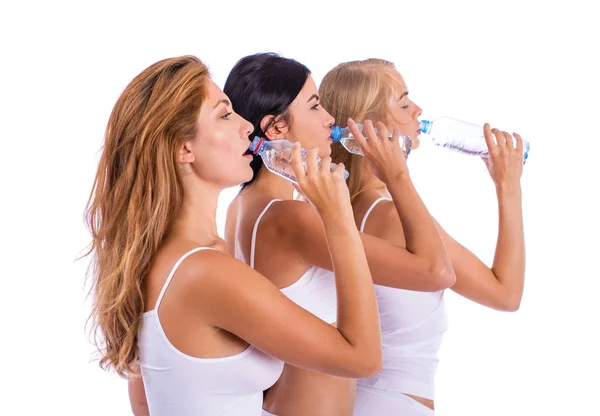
(383,222)
(289,218)
(207,267)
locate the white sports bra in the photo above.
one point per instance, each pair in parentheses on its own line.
(179,384)
(412,325)
(314,290)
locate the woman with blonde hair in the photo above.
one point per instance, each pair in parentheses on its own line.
(413,323)
(209,332)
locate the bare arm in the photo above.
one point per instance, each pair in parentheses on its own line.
(422,265)
(501,286)
(422,237)
(230,295)
(137,397)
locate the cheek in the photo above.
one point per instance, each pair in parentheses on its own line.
(224,166)
(405,123)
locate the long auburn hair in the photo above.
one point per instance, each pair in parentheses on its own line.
(357,90)
(136,194)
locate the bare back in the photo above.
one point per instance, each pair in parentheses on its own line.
(276,261)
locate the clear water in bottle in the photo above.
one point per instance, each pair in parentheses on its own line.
(277,157)
(460,136)
(346,138)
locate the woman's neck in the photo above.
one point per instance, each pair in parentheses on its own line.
(370,183)
(272,185)
(197,217)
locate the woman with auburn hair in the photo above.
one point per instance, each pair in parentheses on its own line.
(412,323)
(283,239)
(209,333)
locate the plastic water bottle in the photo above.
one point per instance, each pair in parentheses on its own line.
(460,136)
(345,137)
(277,157)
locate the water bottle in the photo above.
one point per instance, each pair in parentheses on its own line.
(460,136)
(277,157)
(345,137)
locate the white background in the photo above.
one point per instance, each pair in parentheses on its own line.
(525,66)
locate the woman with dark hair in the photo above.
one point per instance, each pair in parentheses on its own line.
(283,239)
(207,331)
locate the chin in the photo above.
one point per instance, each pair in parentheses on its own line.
(324,152)
(415,144)
(247,177)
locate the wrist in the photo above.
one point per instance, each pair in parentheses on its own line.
(401,177)
(508,190)
(338,220)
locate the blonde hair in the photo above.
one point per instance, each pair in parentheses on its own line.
(358,90)
(136,194)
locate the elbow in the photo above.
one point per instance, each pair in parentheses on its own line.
(371,367)
(367,365)
(374,363)
(441,277)
(139,409)
(510,304)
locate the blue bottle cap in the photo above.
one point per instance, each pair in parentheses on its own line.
(425,126)
(336,133)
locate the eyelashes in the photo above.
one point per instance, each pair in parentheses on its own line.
(226,116)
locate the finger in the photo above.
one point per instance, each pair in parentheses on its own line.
(311,163)
(495,136)
(338,171)
(510,143)
(325,165)
(297,164)
(370,132)
(360,138)
(519,142)
(396,139)
(500,139)
(382,132)
(489,139)
(395,135)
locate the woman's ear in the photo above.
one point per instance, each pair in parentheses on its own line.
(185,153)
(276,127)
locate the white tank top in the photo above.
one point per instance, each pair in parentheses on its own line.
(412,326)
(179,384)
(314,290)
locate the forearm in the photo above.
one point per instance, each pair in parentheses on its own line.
(137,397)
(509,259)
(358,317)
(420,231)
